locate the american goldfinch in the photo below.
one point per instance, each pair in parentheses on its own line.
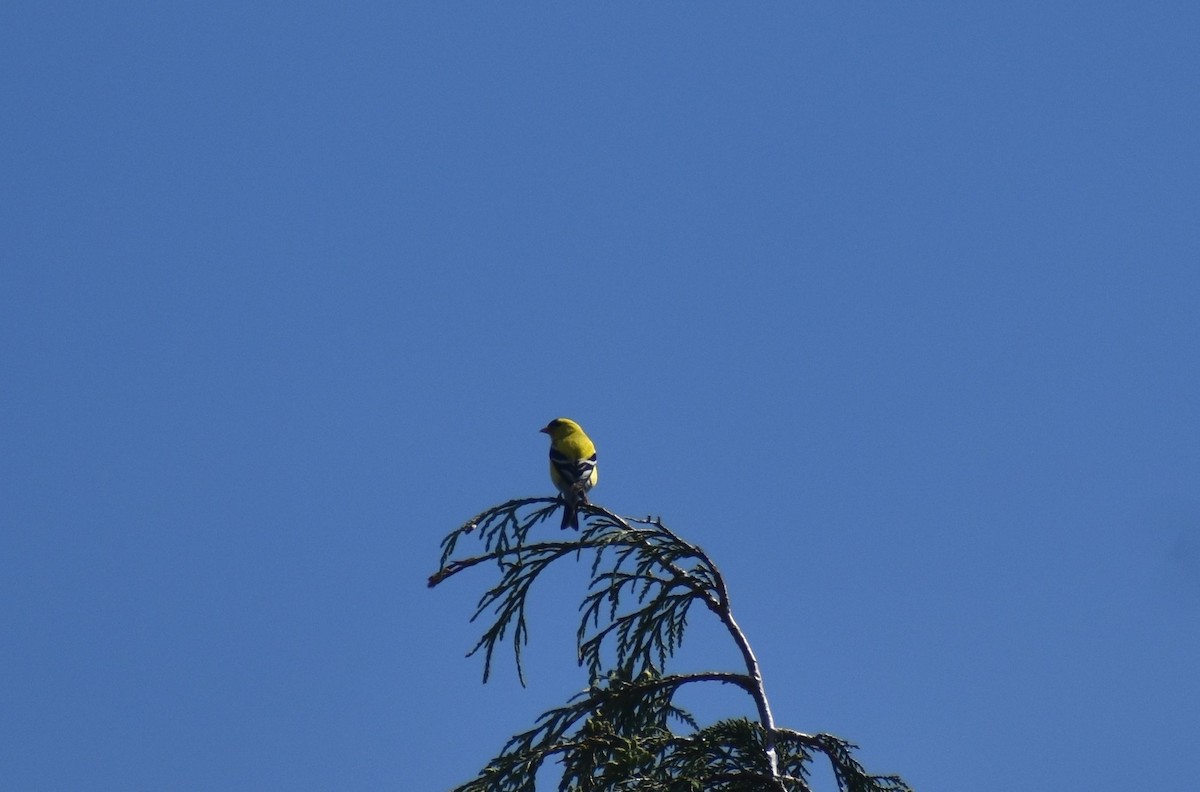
(572,466)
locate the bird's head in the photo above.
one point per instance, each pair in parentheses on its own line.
(560,428)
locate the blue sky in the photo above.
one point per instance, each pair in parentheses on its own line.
(891,307)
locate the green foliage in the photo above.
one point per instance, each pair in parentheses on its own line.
(625,732)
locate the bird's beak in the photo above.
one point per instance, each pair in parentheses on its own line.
(545,430)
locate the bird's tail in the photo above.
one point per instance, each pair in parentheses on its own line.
(571,501)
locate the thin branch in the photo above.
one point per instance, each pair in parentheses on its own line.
(452,568)
(759,692)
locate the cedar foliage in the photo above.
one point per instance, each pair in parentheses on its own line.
(624,733)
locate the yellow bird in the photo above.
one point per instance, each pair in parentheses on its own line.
(572,466)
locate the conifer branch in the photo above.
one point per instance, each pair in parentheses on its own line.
(616,735)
